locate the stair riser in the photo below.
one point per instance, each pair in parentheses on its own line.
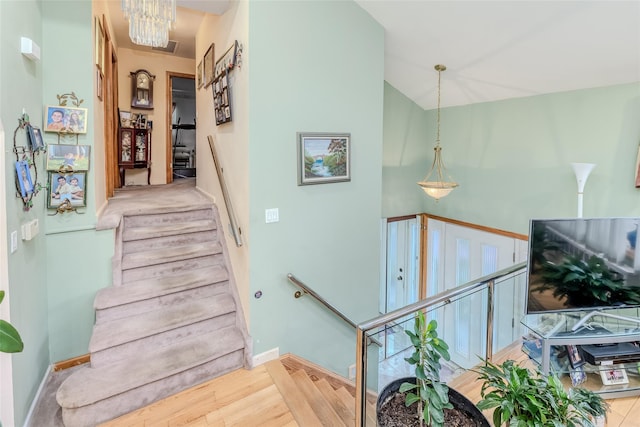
(170,268)
(166,218)
(158,341)
(144,306)
(169,241)
(123,403)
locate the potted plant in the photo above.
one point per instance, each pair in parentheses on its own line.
(424,400)
(10,341)
(593,404)
(521,398)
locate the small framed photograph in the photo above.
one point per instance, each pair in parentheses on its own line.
(125,119)
(24,179)
(611,375)
(67,186)
(199,79)
(63,119)
(68,158)
(208,66)
(35,138)
(323,158)
(575,356)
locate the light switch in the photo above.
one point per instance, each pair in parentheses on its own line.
(271,215)
(14,241)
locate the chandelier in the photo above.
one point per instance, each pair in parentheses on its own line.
(150,21)
(434,184)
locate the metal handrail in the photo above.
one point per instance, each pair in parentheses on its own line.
(307,290)
(445,297)
(235,229)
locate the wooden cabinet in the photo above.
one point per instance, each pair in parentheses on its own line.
(134,151)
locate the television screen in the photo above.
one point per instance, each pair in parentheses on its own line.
(583,263)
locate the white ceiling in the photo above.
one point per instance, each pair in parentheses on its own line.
(493,50)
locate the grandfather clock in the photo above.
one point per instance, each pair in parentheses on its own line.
(142,89)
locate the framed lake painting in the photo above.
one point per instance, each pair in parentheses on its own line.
(323,157)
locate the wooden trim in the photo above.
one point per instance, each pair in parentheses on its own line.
(169,111)
(422,259)
(402,218)
(70,363)
(479,227)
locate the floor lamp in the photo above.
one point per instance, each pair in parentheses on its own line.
(582,171)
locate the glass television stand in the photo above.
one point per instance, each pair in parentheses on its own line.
(598,350)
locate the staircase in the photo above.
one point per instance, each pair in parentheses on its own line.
(171,320)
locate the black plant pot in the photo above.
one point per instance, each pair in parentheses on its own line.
(458,401)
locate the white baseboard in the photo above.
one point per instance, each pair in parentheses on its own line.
(268,355)
(32,408)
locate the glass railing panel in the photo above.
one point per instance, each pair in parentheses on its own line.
(465,323)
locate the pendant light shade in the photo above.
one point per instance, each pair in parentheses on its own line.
(437,184)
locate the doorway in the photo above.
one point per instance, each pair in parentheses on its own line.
(183,127)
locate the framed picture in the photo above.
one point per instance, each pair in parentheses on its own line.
(227,61)
(99,45)
(35,138)
(63,119)
(199,75)
(24,179)
(125,119)
(67,186)
(323,158)
(70,158)
(611,375)
(575,357)
(99,89)
(208,66)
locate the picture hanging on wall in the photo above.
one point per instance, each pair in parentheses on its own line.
(222,99)
(35,138)
(24,179)
(199,75)
(64,119)
(68,157)
(67,186)
(208,66)
(323,158)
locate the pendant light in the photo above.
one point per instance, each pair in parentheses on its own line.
(437,184)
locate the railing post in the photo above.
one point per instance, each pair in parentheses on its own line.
(490,298)
(361,363)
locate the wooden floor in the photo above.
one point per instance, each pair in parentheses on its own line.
(267,396)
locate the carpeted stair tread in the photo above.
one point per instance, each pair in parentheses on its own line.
(90,385)
(153,231)
(119,331)
(152,288)
(164,255)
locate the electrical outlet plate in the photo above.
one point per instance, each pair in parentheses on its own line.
(271,215)
(14,241)
(352,372)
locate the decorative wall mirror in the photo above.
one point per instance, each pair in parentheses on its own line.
(142,89)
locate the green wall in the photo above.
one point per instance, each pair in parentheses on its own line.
(315,66)
(21,87)
(512,158)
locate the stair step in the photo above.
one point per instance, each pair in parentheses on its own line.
(165,255)
(169,241)
(183,215)
(158,321)
(94,395)
(345,410)
(299,406)
(170,268)
(321,407)
(163,230)
(147,294)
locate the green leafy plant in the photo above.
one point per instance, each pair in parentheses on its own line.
(592,403)
(431,395)
(10,341)
(587,283)
(521,398)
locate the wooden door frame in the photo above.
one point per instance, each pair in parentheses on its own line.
(169,114)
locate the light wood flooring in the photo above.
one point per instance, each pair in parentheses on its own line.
(292,392)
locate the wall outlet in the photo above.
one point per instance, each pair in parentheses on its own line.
(352,372)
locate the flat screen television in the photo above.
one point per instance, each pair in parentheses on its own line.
(583,264)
